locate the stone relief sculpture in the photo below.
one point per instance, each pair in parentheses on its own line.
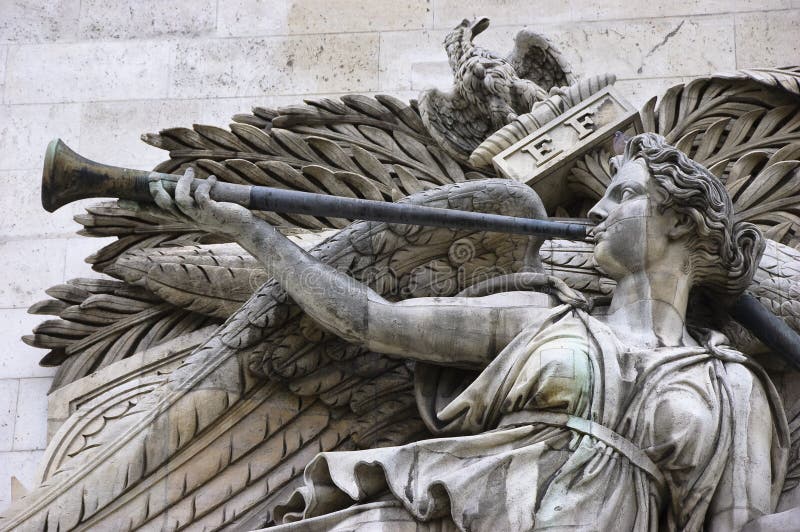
(398,375)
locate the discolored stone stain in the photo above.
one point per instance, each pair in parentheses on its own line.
(488,502)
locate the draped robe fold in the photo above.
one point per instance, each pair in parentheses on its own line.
(687,408)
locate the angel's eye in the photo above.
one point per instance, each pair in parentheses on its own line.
(628,193)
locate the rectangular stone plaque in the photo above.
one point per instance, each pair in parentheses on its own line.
(547,154)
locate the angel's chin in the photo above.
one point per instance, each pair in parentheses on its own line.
(602,261)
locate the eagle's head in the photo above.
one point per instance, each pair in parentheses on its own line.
(459,41)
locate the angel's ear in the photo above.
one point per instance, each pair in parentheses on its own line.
(682,226)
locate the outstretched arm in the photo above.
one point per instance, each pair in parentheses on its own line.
(465,332)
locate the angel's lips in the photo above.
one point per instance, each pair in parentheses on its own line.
(595,233)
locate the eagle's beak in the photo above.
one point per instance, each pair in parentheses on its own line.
(479,26)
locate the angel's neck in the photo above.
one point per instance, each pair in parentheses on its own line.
(648,309)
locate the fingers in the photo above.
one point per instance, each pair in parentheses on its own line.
(196,208)
(183,192)
(162,198)
(159,195)
(203,193)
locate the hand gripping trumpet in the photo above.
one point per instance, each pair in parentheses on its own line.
(68,177)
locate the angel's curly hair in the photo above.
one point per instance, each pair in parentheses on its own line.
(725,253)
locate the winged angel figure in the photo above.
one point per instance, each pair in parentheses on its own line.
(399,377)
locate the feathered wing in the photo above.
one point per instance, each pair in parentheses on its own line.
(535,58)
(454,122)
(228,433)
(364,147)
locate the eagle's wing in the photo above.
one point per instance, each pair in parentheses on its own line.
(456,124)
(536,59)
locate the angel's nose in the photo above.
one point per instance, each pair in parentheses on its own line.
(598,213)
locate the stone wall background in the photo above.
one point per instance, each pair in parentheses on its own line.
(97,73)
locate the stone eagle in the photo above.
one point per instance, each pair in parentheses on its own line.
(489,90)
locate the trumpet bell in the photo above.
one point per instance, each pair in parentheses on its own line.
(68,177)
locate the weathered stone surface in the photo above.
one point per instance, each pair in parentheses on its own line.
(103,140)
(652,49)
(448,13)
(25,216)
(639,91)
(123,146)
(25,131)
(78,249)
(278,17)
(120,19)
(622,9)
(9,389)
(21,464)
(79,72)
(20,360)
(417,60)
(761,39)
(401,51)
(24,22)
(649,49)
(28,268)
(30,428)
(251,67)
(3,56)
(427,74)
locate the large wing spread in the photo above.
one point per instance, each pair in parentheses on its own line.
(271,367)
(361,147)
(374,148)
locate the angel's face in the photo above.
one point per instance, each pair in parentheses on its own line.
(631,234)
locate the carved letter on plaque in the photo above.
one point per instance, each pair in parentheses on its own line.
(541,150)
(583,124)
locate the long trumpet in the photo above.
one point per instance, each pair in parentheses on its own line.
(68,177)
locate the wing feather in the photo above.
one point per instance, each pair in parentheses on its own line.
(536,58)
